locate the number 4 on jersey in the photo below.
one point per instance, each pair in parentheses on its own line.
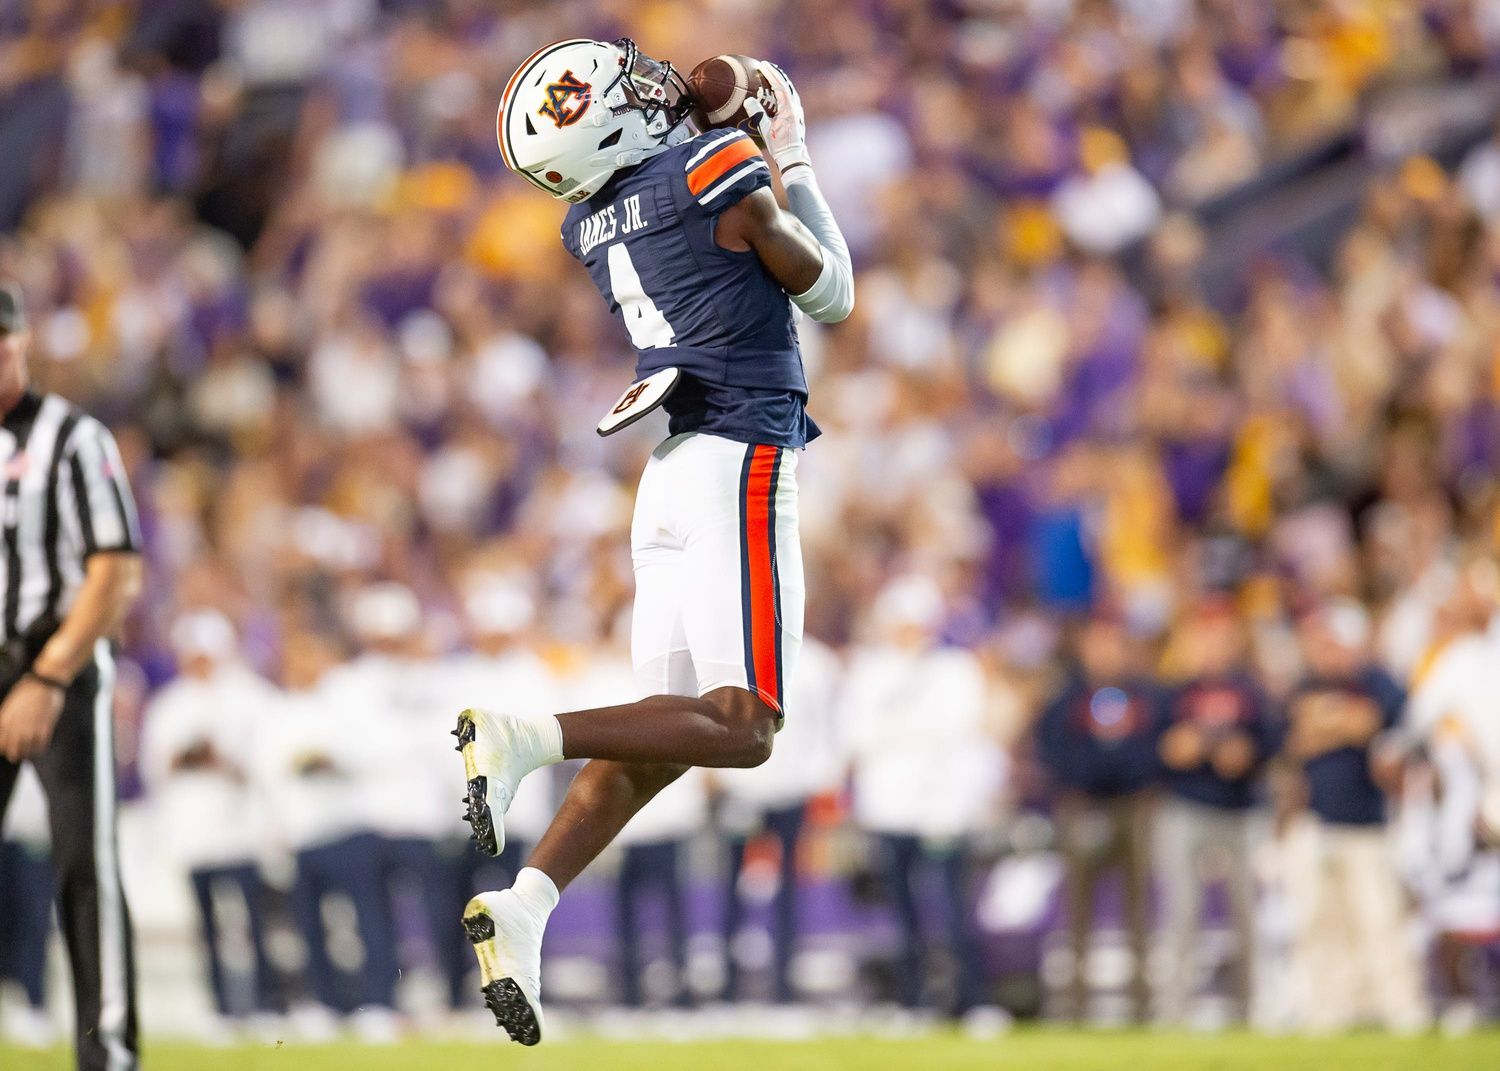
(648,328)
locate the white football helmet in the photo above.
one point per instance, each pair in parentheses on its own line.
(577,111)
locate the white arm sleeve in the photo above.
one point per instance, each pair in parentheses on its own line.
(831,298)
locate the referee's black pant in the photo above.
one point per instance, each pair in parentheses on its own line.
(77,772)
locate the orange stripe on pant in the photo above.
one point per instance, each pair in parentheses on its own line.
(759,576)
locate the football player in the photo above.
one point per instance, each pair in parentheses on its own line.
(686,241)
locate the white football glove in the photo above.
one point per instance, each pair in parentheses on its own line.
(785,133)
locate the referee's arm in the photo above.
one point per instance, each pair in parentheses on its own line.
(105,515)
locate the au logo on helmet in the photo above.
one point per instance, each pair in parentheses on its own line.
(567,100)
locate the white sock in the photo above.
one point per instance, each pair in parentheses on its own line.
(547,734)
(536,892)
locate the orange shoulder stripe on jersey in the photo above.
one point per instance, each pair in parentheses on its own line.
(719,164)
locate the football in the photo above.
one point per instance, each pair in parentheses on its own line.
(720,85)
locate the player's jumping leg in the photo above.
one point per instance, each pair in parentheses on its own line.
(728,727)
(506,927)
(716,627)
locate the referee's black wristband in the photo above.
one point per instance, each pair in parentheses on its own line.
(50,682)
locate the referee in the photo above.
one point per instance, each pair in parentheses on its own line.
(69,569)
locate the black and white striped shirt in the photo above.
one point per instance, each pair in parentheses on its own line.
(66,497)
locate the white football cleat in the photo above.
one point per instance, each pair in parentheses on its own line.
(498,750)
(507,939)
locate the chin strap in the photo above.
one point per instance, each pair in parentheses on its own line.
(613,159)
(632,156)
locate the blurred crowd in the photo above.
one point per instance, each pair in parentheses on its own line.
(1205,581)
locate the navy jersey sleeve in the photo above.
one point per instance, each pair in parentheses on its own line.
(569,227)
(722,169)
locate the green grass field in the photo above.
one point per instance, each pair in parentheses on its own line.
(1030,1050)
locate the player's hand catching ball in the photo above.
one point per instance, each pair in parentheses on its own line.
(784,133)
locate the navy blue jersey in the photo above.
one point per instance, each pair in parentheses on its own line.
(1219,706)
(1341,786)
(1102,739)
(647,240)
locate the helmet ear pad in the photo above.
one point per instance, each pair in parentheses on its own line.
(577,111)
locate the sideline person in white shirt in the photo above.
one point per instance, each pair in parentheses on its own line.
(1454,877)
(926,774)
(651,843)
(652,847)
(1448,829)
(312,758)
(1462,680)
(208,816)
(394,688)
(772,799)
(504,668)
